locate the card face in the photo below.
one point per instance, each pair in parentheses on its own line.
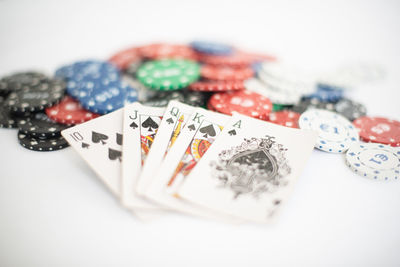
(175,117)
(140,127)
(202,128)
(250,169)
(99,143)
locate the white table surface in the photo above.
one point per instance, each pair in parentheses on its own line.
(55,212)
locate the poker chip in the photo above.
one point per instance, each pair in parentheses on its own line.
(285,118)
(217,86)
(326,94)
(211,48)
(167,51)
(375,161)
(244,102)
(69,111)
(6,118)
(226,73)
(36,98)
(168,74)
(102,96)
(123,59)
(350,109)
(335,132)
(162,98)
(20,80)
(85,71)
(39,125)
(378,130)
(276,96)
(310,103)
(196,99)
(87,68)
(37,144)
(235,60)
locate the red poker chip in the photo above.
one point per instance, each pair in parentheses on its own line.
(378,130)
(226,73)
(163,51)
(244,102)
(286,118)
(237,59)
(69,111)
(125,58)
(217,86)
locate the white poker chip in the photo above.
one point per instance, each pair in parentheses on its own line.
(375,161)
(276,96)
(335,132)
(287,78)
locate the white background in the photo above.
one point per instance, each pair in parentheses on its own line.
(54,212)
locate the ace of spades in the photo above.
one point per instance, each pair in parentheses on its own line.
(99,143)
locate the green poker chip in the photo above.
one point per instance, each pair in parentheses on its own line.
(168,74)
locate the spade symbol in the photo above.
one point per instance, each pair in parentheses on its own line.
(170,120)
(114,154)
(207,131)
(85,145)
(119,139)
(232,132)
(133,125)
(149,123)
(191,127)
(99,137)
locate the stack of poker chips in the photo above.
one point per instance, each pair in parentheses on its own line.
(216,76)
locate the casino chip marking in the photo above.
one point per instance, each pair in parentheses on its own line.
(39,125)
(20,80)
(38,144)
(335,132)
(375,161)
(244,102)
(69,111)
(378,130)
(168,74)
(36,98)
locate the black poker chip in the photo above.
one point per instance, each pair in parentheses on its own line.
(36,98)
(308,103)
(350,109)
(162,98)
(39,125)
(20,80)
(9,119)
(38,144)
(196,99)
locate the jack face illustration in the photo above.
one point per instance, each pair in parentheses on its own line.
(148,131)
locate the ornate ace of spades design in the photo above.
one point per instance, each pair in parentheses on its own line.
(255,167)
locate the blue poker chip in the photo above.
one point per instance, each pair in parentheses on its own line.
(86,70)
(326,94)
(212,48)
(103,96)
(335,133)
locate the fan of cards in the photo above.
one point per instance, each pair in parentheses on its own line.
(188,159)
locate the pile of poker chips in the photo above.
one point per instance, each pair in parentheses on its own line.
(212,75)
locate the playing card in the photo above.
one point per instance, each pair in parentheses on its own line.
(175,117)
(250,169)
(140,127)
(202,128)
(99,143)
